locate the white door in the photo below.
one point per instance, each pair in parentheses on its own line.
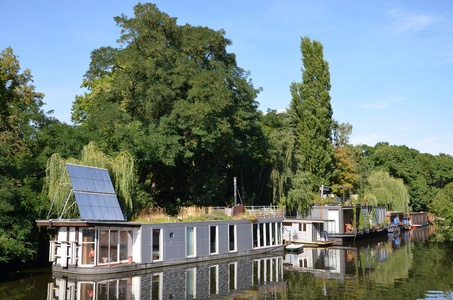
(335,225)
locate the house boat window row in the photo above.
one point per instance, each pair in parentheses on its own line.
(266,234)
(114,246)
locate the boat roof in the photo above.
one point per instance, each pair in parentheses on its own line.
(289,220)
(84,223)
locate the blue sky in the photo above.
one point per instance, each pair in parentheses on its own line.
(391,62)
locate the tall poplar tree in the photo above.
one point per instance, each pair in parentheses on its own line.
(312,114)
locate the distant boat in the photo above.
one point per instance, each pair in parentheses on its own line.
(418,219)
(307,232)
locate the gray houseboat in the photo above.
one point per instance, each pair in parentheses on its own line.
(101,241)
(338,220)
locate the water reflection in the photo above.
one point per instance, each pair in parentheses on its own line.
(404,266)
(195,281)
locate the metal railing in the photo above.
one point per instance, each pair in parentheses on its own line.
(257,211)
(265,211)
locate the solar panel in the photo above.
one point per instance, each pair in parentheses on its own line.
(98,206)
(94,193)
(90,179)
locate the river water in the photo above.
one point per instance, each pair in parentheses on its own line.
(406,266)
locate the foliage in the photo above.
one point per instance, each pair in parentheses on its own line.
(20,203)
(361,220)
(301,193)
(341,133)
(442,206)
(401,162)
(282,154)
(387,191)
(346,167)
(174,98)
(121,170)
(312,114)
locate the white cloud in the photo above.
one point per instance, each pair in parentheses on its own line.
(411,21)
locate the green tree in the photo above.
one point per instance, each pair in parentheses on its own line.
(21,116)
(282,154)
(174,98)
(341,134)
(387,191)
(312,114)
(401,162)
(346,163)
(442,207)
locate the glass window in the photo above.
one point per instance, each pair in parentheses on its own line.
(268,234)
(261,234)
(157,245)
(113,246)
(274,236)
(103,257)
(88,249)
(213,239)
(190,238)
(232,237)
(125,245)
(255,235)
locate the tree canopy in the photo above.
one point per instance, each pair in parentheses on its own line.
(21,116)
(174,98)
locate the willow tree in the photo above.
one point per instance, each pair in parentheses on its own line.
(121,170)
(312,114)
(382,189)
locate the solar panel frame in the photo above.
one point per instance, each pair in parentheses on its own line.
(94,193)
(90,179)
(94,206)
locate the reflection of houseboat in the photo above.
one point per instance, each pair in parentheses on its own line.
(102,242)
(307,232)
(213,280)
(418,219)
(332,263)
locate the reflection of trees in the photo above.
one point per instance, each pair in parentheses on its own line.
(22,285)
(382,272)
(395,268)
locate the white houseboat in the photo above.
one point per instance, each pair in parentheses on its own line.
(309,232)
(101,241)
